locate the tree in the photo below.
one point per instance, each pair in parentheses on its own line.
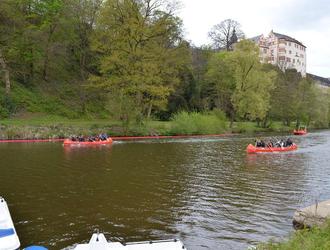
(221,78)
(5,72)
(240,82)
(284,96)
(142,51)
(35,36)
(225,34)
(84,14)
(311,104)
(7,37)
(251,97)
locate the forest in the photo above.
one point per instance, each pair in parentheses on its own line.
(129,61)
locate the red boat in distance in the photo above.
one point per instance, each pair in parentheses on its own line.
(252,149)
(300,131)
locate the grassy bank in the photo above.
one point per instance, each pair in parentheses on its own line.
(314,239)
(41,126)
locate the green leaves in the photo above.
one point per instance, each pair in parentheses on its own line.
(142,51)
(242,85)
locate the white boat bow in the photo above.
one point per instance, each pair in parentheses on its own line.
(99,242)
(8,237)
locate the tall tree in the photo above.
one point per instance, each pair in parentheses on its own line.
(9,18)
(225,34)
(84,14)
(251,97)
(141,50)
(283,101)
(221,77)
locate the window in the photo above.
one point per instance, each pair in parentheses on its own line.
(290,52)
(289,44)
(294,60)
(288,59)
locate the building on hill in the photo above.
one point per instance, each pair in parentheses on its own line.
(283,51)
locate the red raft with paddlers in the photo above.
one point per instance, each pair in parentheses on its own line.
(253,149)
(80,140)
(70,142)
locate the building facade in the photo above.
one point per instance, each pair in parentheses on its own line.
(283,51)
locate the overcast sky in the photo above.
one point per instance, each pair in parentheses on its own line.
(308,21)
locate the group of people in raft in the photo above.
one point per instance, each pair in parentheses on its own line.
(278,144)
(81,138)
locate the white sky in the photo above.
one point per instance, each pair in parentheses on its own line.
(308,21)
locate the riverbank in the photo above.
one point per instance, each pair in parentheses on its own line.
(308,239)
(50,127)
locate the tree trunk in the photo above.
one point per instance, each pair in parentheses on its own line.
(231,120)
(45,68)
(6,73)
(298,123)
(31,77)
(264,122)
(46,61)
(258,122)
(149,110)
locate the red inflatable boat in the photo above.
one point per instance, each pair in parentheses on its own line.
(70,142)
(300,132)
(252,149)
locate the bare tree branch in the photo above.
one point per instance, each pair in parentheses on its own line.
(223,34)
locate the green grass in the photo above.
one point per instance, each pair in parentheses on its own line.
(51,126)
(313,239)
(198,123)
(40,119)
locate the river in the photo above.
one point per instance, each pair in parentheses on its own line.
(207,192)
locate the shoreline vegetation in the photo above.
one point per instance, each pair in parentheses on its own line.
(317,238)
(52,127)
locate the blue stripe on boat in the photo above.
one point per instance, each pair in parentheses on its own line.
(35,248)
(6,232)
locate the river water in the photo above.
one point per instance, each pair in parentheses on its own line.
(207,192)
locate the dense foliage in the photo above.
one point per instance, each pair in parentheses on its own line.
(127,60)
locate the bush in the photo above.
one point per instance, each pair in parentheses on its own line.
(198,123)
(4,113)
(6,105)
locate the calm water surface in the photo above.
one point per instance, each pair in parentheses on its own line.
(209,192)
